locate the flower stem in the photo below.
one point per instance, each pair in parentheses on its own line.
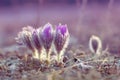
(48,56)
(58,58)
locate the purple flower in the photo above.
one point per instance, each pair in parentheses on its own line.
(24,37)
(36,40)
(62,29)
(61,37)
(47,36)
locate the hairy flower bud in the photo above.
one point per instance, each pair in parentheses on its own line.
(35,40)
(24,37)
(61,39)
(47,38)
(37,43)
(40,40)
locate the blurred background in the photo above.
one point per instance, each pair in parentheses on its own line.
(83,17)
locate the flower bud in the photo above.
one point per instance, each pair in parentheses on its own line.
(35,40)
(47,38)
(61,40)
(24,37)
(37,44)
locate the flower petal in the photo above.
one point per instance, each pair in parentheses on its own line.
(47,36)
(36,40)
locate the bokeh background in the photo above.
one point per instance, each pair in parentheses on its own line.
(83,17)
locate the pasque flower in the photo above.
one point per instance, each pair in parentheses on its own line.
(29,37)
(47,39)
(35,39)
(25,37)
(61,40)
(37,43)
(42,39)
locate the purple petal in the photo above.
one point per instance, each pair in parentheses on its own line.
(59,42)
(47,36)
(62,29)
(61,37)
(24,37)
(35,39)
(47,30)
(27,40)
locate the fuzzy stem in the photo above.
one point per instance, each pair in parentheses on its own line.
(48,56)
(58,57)
(37,54)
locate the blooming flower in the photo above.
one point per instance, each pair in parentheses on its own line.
(61,39)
